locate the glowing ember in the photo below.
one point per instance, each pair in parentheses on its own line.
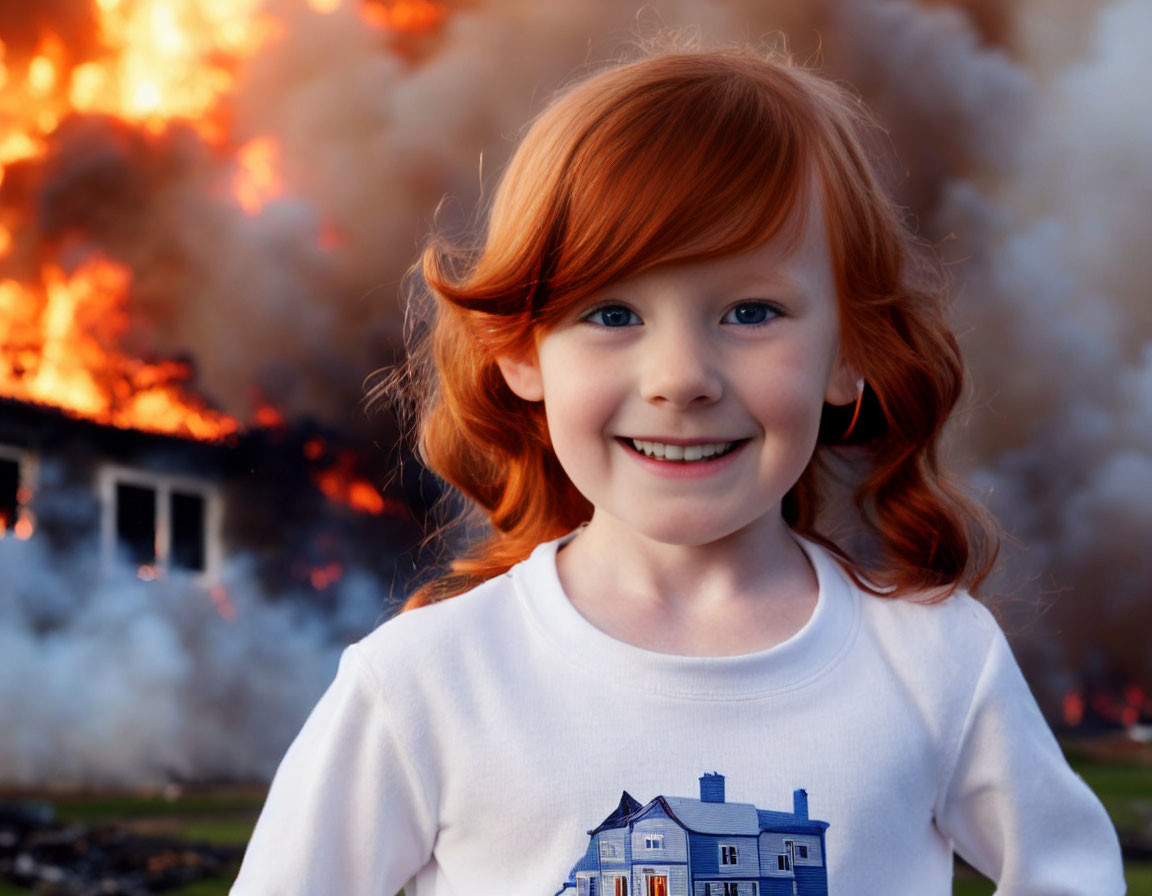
(1073,708)
(223,603)
(58,350)
(268,417)
(314,448)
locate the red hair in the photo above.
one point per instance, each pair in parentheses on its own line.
(686,155)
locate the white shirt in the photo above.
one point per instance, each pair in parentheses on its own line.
(472,746)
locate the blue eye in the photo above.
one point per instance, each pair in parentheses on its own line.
(612,316)
(750,314)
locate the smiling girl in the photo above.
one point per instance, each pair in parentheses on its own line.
(720,637)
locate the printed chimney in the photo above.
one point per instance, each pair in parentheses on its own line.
(711,788)
(800,802)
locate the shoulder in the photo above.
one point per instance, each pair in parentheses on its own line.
(437,632)
(959,619)
(941,644)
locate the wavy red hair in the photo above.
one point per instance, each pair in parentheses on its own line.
(685,155)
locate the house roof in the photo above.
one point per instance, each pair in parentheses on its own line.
(714,818)
(723,819)
(789,823)
(629,805)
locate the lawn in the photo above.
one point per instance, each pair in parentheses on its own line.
(227,816)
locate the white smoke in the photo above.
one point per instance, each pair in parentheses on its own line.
(127,682)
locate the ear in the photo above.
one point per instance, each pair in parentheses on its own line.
(522,374)
(844,385)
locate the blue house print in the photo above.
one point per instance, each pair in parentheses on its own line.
(679,846)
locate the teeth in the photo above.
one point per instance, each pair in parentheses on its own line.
(682,453)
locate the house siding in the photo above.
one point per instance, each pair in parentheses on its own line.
(705,851)
(675,847)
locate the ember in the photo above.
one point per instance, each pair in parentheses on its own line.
(57,859)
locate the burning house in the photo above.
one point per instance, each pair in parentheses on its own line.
(156,543)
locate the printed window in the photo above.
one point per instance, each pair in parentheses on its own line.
(707,889)
(727,854)
(609,850)
(653,841)
(621,886)
(783,863)
(731,889)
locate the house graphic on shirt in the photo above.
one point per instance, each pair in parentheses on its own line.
(679,846)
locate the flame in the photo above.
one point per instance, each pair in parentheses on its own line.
(169,59)
(340,483)
(404,15)
(257,179)
(60,355)
(158,62)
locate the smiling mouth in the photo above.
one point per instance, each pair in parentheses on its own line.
(704,452)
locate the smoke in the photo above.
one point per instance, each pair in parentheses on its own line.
(147,683)
(1028,169)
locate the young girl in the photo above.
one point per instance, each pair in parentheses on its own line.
(694,319)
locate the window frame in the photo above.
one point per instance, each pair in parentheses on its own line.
(109,476)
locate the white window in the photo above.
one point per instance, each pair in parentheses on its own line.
(160,524)
(801,851)
(783,863)
(653,841)
(609,850)
(731,889)
(727,854)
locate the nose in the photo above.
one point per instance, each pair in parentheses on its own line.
(679,369)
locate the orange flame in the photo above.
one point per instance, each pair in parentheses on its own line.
(341,484)
(159,62)
(404,15)
(59,355)
(257,179)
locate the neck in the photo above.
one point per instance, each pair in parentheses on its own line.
(737,594)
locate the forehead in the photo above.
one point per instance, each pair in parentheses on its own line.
(797,256)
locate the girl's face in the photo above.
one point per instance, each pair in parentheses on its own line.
(685,402)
